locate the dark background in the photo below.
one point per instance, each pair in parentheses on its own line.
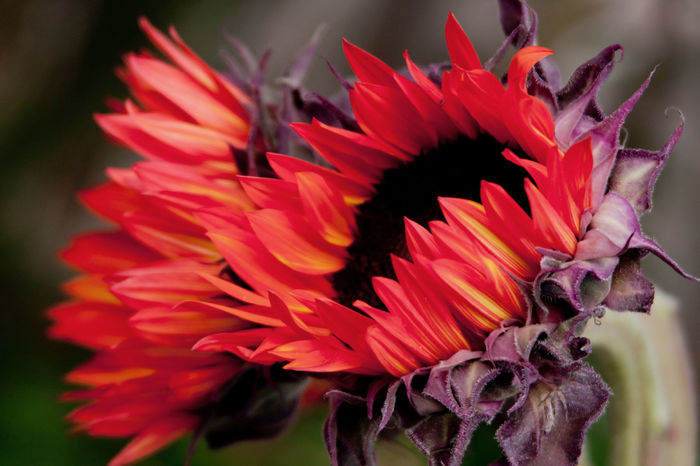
(56,67)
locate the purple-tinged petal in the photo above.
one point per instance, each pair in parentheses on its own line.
(630,290)
(615,229)
(439,385)
(610,230)
(328,111)
(299,67)
(639,241)
(473,392)
(389,404)
(468,384)
(636,170)
(606,143)
(444,438)
(577,99)
(515,344)
(550,428)
(349,435)
(517,15)
(582,284)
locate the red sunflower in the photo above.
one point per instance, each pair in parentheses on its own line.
(466,229)
(133,305)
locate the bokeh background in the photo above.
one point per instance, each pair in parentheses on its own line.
(56,67)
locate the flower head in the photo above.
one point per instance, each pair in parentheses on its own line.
(144,297)
(466,230)
(437,265)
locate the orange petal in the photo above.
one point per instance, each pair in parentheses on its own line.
(390,353)
(90,288)
(286,167)
(548,222)
(472,220)
(272,193)
(93,324)
(294,242)
(521,64)
(326,210)
(154,437)
(106,252)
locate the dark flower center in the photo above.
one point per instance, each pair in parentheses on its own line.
(453,169)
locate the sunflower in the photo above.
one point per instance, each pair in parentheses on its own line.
(460,233)
(140,303)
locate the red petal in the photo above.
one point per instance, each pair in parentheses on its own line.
(387,114)
(186,94)
(262,315)
(272,193)
(397,302)
(461,51)
(390,353)
(91,287)
(184,324)
(521,64)
(419,240)
(482,94)
(419,286)
(472,220)
(106,252)
(429,87)
(286,167)
(548,222)
(170,238)
(251,261)
(110,200)
(92,324)
(367,67)
(347,324)
(163,176)
(294,242)
(191,65)
(474,302)
(154,437)
(354,154)
(326,210)
(237,343)
(433,114)
(164,283)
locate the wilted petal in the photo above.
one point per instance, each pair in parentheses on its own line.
(550,428)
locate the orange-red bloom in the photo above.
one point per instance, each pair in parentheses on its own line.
(370,233)
(461,233)
(441,270)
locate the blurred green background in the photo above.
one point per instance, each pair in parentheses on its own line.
(56,67)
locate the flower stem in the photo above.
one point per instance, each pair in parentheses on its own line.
(651,415)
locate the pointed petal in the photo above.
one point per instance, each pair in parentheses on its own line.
(461,51)
(294,243)
(106,252)
(286,167)
(521,64)
(92,324)
(154,437)
(326,210)
(367,67)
